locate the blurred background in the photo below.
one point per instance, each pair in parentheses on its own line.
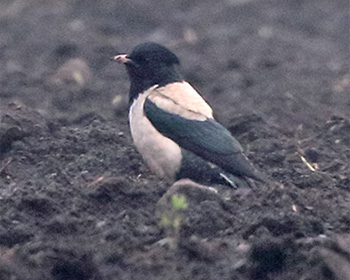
(284,60)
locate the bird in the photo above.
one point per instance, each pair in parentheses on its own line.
(173,127)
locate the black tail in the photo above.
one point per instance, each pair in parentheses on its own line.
(238,164)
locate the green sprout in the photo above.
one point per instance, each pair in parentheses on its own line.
(179,202)
(172,219)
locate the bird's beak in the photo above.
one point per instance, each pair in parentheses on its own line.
(121,58)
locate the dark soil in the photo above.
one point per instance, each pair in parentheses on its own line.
(77,202)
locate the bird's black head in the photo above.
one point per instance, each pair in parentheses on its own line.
(149,64)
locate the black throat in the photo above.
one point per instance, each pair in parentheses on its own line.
(161,77)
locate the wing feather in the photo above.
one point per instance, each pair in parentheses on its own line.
(200,136)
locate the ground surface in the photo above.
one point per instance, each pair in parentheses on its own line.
(78,203)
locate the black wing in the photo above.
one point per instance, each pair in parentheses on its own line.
(199,137)
(207,139)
